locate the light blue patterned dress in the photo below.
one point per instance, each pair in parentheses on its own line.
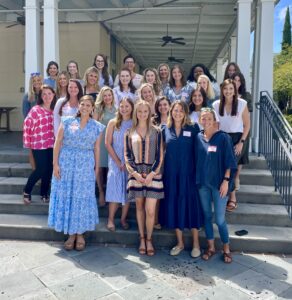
(183,94)
(73,207)
(116,188)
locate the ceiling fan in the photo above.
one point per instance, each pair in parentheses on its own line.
(169,39)
(174,59)
(19,21)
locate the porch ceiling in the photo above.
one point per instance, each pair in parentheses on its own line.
(140,24)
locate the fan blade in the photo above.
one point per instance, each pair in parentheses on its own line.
(12,25)
(178,42)
(164,44)
(179,60)
(178,39)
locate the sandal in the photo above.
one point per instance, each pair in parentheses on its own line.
(142,250)
(26,199)
(125,225)
(45,199)
(69,244)
(227,258)
(150,252)
(231,205)
(208,253)
(80,245)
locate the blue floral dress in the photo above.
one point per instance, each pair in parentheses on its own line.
(73,207)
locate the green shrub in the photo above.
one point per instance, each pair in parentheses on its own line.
(289,119)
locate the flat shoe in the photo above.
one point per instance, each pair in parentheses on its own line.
(196,253)
(80,246)
(157,226)
(176,251)
(111,228)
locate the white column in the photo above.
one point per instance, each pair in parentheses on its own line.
(219,70)
(243,38)
(263,64)
(32,39)
(233,43)
(51,32)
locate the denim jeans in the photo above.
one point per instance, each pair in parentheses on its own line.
(207,195)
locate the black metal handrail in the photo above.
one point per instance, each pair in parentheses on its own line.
(275,144)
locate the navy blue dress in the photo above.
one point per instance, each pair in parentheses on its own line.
(181,206)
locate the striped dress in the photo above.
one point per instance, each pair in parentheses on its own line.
(144,155)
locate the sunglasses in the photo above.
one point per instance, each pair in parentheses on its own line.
(35,74)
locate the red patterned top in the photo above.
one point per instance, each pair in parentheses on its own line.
(38,129)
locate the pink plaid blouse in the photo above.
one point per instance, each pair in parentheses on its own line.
(38,129)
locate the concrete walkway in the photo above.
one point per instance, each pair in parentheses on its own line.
(42,270)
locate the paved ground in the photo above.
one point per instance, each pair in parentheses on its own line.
(41,270)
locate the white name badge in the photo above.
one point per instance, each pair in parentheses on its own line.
(212,149)
(187,133)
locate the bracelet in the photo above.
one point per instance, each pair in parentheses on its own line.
(242,141)
(227,179)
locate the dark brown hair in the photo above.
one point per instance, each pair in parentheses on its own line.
(222,98)
(80,94)
(40,100)
(192,106)
(172,81)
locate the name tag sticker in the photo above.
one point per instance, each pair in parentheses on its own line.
(212,149)
(187,133)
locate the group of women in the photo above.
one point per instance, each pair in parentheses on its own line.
(171,145)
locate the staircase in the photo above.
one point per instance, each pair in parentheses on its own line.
(260,211)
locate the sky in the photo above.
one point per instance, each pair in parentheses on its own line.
(279,18)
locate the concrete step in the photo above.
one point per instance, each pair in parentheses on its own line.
(14,155)
(256,177)
(246,213)
(15,169)
(258,194)
(259,239)
(256,162)
(14,185)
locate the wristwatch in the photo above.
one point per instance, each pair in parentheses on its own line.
(242,141)
(226,178)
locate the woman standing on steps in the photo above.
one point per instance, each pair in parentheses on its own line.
(38,135)
(234,119)
(144,156)
(116,188)
(73,208)
(215,169)
(180,207)
(104,111)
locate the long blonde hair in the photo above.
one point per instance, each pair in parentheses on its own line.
(184,106)
(119,118)
(157,85)
(58,89)
(139,103)
(91,70)
(210,91)
(99,103)
(31,91)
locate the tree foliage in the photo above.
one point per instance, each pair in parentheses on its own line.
(283,77)
(287,30)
